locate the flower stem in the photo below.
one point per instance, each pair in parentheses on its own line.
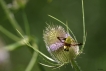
(17,44)
(10,16)
(33,60)
(75,65)
(84,34)
(27,29)
(9,34)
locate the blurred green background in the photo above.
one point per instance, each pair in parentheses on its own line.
(94,57)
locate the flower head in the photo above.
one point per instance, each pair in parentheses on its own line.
(56,40)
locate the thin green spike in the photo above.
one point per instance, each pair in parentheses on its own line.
(67,27)
(46,65)
(59,66)
(64,25)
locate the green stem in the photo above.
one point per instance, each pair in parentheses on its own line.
(36,49)
(9,34)
(27,29)
(33,60)
(17,44)
(10,16)
(75,65)
(84,34)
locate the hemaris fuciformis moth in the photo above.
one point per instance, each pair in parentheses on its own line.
(68,42)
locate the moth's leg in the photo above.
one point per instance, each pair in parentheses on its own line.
(79,44)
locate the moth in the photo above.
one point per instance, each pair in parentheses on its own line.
(68,42)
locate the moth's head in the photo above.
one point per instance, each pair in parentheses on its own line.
(69,40)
